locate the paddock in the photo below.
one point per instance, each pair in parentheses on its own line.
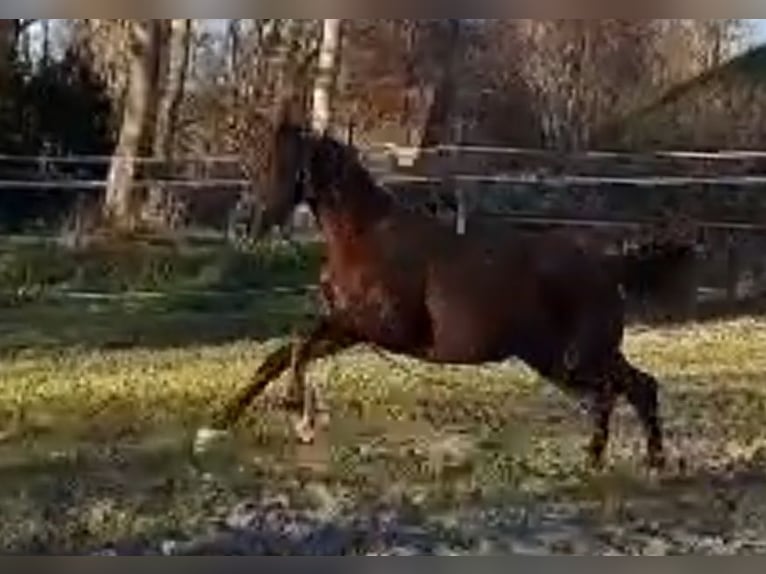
(101,396)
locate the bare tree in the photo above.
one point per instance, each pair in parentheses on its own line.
(121,201)
(234,43)
(106,45)
(11,31)
(585,74)
(7,46)
(567,75)
(438,126)
(179,50)
(175,50)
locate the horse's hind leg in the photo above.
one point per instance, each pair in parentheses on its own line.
(598,388)
(604,399)
(641,391)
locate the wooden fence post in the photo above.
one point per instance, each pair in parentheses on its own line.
(462,211)
(461,216)
(732,268)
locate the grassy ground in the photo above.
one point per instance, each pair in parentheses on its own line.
(99,402)
(31,268)
(95,442)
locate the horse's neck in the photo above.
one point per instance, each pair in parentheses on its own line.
(352,205)
(350,237)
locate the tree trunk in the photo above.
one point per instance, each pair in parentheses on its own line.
(7,48)
(234,45)
(176,64)
(439,127)
(329,52)
(10,119)
(46,47)
(121,201)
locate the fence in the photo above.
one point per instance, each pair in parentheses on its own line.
(608,194)
(455,170)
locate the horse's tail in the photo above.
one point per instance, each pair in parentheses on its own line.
(649,269)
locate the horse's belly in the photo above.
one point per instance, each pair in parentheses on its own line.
(478,330)
(473,326)
(387,328)
(540,349)
(474,338)
(464,354)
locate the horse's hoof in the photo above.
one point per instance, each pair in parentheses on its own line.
(305,432)
(207,439)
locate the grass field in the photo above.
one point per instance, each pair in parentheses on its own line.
(99,401)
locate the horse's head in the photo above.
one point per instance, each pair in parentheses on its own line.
(284,187)
(306,167)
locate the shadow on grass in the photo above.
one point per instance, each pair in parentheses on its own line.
(183,513)
(171,321)
(76,501)
(117,295)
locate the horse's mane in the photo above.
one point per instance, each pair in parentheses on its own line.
(346,161)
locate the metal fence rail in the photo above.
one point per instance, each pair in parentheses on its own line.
(408,152)
(52,174)
(402,157)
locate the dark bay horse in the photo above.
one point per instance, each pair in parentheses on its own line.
(406,283)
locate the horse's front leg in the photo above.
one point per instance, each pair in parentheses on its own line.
(620,377)
(323,341)
(641,390)
(274,365)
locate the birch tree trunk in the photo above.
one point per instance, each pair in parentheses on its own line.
(329,53)
(121,201)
